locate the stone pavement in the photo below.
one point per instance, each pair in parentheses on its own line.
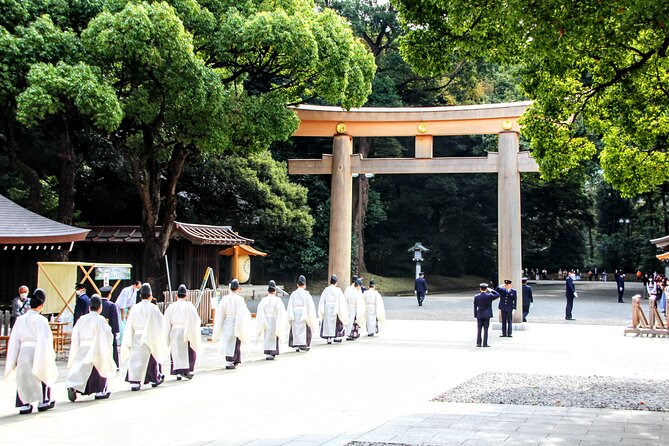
(373,389)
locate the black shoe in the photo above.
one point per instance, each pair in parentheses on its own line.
(420,305)
(621,301)
(26,409)
(337,340)
(569,319)
(509,336)
(478,345)
(329,341)
(230,367)
(269,358)
(371,334)
(102,396)
(304,349)
(486,345)
(46,406)
(502,336)
(71,394)
(160,381)
(188,376)
(178,377)
(297,350)
(524,320)
(135,387)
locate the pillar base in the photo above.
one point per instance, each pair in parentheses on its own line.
(517,326)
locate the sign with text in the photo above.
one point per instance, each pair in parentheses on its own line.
(112,273)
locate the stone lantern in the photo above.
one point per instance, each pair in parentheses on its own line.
(418,250)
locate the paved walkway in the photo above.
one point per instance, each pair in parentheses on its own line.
(373,389)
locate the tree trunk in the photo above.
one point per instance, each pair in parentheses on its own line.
(68,173)
(27,173)
(361,199)
(147,176)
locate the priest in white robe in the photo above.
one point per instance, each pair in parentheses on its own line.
(354,305)
(271,322)
(31,358)
(373,311)
(182,325)
(91,360)
(144,347)
(302,317)
(232,325)
(333,311)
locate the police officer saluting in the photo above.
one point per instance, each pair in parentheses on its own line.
(483,312)
(507,303)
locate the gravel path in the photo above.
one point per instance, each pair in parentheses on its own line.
(563,391)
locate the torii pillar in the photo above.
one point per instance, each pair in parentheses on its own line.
(423,124)
(341,209)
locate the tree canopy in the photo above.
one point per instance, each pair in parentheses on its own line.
(596,71)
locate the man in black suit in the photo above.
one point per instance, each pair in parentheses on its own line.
(570,294)
(83,303)
(110,313)
(527,299)
(420,288)
(620,282)
(507,303)
(483,312)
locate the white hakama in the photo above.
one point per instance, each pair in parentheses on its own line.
(232,327)
(182,324)
(333,311)
(374,312)
(301,313)
(144,346)
(91,361)
(271,323)
(31,359)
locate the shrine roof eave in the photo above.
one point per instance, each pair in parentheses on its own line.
(662,242)
(19,226)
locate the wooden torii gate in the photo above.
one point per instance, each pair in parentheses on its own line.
(423,124)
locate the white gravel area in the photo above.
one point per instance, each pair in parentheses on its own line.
(562,391)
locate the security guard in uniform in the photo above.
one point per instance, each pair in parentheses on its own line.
(483,312)
(507,303)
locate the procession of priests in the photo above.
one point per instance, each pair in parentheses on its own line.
(151,338)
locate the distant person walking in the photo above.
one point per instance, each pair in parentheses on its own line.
(421,288)
(620,283)
(301,316)
(570,294)
(483,312)
(527,299)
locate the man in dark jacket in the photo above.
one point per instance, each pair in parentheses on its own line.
(570,294)
(527,299)
(83,303)
(507,303)
(620,282)
(420,288)
(110,313)
(483,312)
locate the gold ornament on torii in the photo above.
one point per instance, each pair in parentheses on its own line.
(341,127)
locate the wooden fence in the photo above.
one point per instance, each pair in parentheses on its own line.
(205,308)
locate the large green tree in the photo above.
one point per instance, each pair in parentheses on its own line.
(600,66)
(190,78)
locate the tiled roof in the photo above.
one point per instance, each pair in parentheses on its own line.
(210,235)
(197,234)
(21,226)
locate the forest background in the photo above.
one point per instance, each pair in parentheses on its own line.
(67,153)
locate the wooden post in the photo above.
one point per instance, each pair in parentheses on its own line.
(341,209)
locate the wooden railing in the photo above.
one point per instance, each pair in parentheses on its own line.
(204,310)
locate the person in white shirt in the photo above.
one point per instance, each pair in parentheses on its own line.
(302,318)
(354,304)
(333,311)
(271,322)
(144,347)
(182,325)
(31,358)
(374,312)
(91,361)
(232,325)
(127,298)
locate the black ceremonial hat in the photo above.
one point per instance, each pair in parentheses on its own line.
(145,291)
(182,291)
(301,280)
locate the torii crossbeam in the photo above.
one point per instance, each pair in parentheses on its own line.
(423,124)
